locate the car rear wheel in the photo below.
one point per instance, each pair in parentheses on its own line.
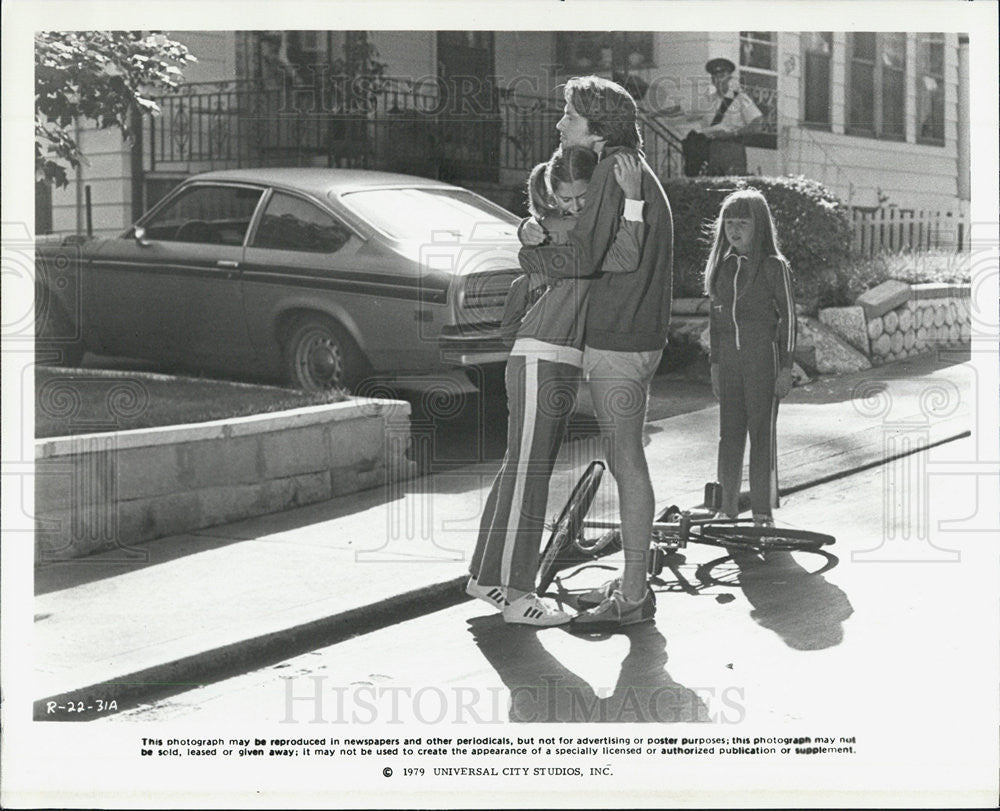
(320,356)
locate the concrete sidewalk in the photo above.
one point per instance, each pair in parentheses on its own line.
(179,611)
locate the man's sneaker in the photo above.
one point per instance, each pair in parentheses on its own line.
(763,521)
(532,610)
(616,612)
(594,597)
(488,594)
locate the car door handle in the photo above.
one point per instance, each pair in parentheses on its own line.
(228,263)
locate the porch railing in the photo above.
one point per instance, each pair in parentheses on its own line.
(376,123)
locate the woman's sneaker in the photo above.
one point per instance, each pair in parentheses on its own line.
(594,597)
(532,610)
(616,612)
(488,594)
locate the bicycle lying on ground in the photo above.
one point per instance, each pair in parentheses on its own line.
(673,528)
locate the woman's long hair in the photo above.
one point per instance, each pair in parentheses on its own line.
(746,204)
(569,164)
(540,202)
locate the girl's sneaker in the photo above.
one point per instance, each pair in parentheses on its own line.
(532,610)
(488,594)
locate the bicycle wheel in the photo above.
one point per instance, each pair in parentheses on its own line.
(569,523)
(761,539)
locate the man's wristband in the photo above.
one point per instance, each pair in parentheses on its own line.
(633,210)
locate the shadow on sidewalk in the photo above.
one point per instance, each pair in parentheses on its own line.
(803,608)
(542,689)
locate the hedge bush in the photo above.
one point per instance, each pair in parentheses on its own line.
(813,229)
(859,274)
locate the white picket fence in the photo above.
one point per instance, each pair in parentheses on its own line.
(894,230)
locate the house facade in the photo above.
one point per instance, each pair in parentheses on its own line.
(881,118)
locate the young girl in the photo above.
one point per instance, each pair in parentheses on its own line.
(542,377)
(752,330)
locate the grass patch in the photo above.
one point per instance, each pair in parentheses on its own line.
(84,401)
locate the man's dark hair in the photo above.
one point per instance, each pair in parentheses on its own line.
(610,111)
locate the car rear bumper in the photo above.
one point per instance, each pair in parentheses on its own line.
(473,347)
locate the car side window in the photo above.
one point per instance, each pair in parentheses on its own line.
(215,215)
(293,224)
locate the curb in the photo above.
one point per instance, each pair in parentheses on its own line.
(178,676)
(161,681)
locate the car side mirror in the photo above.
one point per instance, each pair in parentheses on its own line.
(140,236)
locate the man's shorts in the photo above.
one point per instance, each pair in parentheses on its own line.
(610,364)
(619,381)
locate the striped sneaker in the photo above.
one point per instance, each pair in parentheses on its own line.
(488,594)
(532,610)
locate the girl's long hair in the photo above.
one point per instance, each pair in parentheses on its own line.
(746,204)
(540,202)
(569,164)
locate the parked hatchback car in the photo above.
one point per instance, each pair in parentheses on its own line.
(317,277)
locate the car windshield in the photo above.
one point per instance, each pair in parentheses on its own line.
(426,214)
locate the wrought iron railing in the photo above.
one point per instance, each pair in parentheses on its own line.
(663,149)
(371,122)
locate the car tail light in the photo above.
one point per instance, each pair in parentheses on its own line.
(483,293)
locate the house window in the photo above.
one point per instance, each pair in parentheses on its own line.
(817,47)
(876,88)
(893,85)
(479,40)
(759,79)
(283,56)
(595,51)
(930,88)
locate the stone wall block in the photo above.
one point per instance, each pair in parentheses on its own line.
(885,297)
(849,323)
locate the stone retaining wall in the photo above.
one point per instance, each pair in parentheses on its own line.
(104,491)
(932,316)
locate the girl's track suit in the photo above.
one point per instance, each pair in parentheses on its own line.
(542,377)
(752,328)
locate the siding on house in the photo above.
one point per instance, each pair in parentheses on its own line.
(216,52)
(108,166)
(109,177)
(680,76)
(412,54)
(909,174)
(525,61)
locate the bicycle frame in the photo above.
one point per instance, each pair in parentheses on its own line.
(700,526)
(670,534)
